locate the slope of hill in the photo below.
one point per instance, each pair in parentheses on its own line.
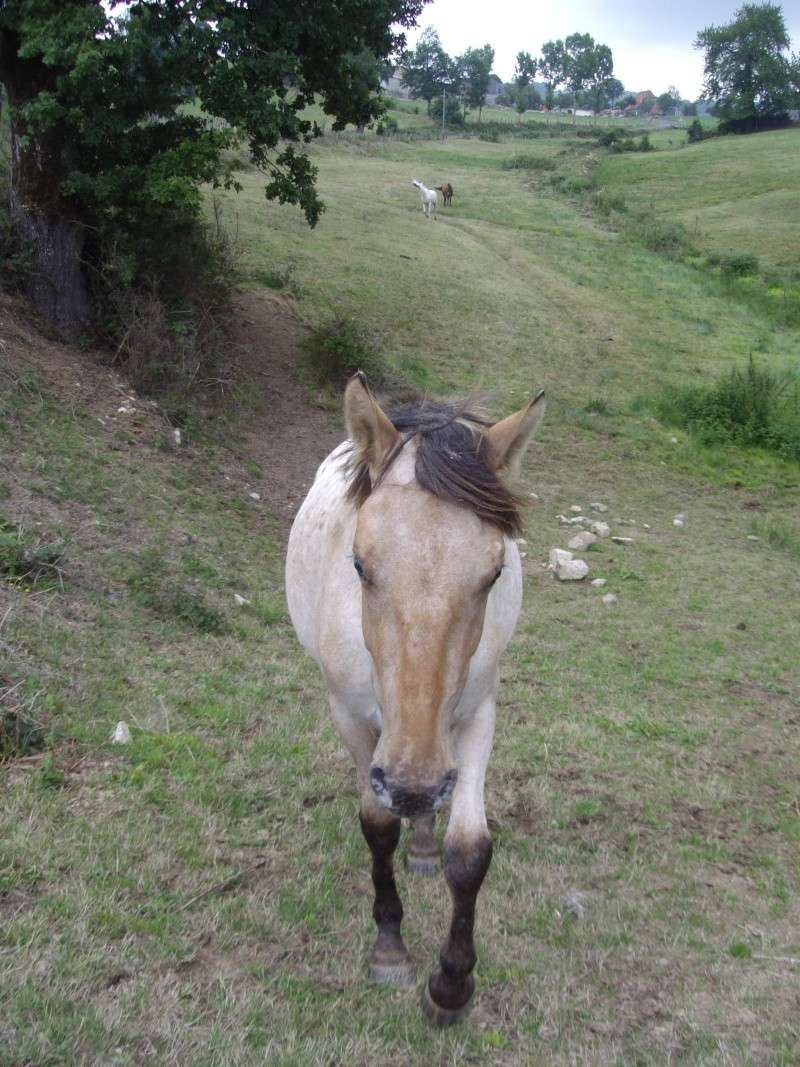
(202,894)
(734,194)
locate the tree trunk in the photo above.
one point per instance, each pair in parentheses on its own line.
(43,219)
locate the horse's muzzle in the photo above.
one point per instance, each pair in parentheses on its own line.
(408,801)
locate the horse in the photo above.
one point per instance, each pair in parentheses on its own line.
(428,198)
(404,583)
(446,189)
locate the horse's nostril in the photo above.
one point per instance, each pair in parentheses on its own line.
(377,779)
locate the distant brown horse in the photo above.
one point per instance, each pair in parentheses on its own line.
(446,189)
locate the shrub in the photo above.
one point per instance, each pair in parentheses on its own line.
(490,135)
(753,406)
(338,348)
(387,126)
(522,162)
(695,133)
(739,265)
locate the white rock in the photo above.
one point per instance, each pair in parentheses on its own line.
(121,734)
(240,600)
(176,437)
(677,522)
(521,541)
(610,598)
(599,582)
(126,409)
(674,440)
(534,496)
(557,556)
(752,537)
(576,509)
(573,903)
(623,540)
(598,507)
(602,529)
(571,570)
(645,525)
(254,496)
(581,541)
(579,520)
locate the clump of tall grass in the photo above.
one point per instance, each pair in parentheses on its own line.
(752,406)
(336,349)
(523,162)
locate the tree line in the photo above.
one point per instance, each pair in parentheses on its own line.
(118,121)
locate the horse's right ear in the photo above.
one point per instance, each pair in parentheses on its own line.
(368,427)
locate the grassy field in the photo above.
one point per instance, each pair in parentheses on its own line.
(202,896)
(734,194)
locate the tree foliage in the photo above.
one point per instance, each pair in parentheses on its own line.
(476,69)
(552,69)
(748,74)
(426,68)
(108,140)
(588,67)
(524,92)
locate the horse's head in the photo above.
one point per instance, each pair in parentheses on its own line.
(429,549)
(416,183)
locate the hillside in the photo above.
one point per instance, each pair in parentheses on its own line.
(734,194)
(202,895)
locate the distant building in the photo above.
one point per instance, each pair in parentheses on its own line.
(393,85)
(643,104)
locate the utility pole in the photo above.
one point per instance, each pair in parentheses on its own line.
(444,107)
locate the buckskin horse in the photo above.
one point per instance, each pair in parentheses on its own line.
(446,189)
(404,583)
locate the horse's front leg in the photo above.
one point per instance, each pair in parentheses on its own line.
(389,960)
(467,855)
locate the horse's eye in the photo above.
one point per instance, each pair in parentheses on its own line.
(359,566)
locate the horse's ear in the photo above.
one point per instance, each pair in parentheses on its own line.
(370,430)
(509,438)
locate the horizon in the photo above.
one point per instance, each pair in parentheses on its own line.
(652,49)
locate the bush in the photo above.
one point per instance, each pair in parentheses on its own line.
(522,162)
(738,266)
(695,133)
(387,126)
(454,115)
(338,348)
(754,406)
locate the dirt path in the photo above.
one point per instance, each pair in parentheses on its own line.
(286,435)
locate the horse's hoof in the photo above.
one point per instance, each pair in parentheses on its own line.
(393,973)
(443,1016)
(424,866)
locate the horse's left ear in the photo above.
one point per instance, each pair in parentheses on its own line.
(368,427)
(509,438)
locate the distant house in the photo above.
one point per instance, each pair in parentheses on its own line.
(393,85)
(643,103)
(494,90)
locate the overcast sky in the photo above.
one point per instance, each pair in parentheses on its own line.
(652,43)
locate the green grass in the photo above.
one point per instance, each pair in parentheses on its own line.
(734,194)
(202,896)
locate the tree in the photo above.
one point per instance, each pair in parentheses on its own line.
(107,159)
(427,68)
(588,66)
(688,109)
(551,69)
(476,65)
(523,76)
(670,101)
(747,74)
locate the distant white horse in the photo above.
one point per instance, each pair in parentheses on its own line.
(428,197)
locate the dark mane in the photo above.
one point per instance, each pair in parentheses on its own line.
(452,461)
